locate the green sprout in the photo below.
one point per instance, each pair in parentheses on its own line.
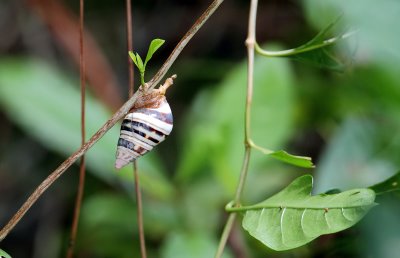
(154,45)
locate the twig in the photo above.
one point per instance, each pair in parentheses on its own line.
(82,171)
(138,193)
(250,42)
(110,123)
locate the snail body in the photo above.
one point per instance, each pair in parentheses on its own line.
(147,124)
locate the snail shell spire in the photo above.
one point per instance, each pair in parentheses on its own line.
(148,123)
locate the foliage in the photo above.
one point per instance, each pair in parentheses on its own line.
(137,60)
(318,51)
(347,121)
(292,218)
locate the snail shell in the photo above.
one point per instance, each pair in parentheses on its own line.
(145,126)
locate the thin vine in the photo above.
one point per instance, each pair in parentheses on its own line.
(138,194)
(82,170)
(250,42)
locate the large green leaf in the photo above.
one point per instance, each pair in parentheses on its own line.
(293,217)
(46,105)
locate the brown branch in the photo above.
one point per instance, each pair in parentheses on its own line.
(110,123)
(64,26)
(82,170)
(129,41)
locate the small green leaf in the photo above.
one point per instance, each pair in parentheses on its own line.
(389,185)
(3,254)
(133,57)
(292,217)
(154,45)
(321,36)
(137,61)
(317,51)
(321,57)
(300,161)
(140,63)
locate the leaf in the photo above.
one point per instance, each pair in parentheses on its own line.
(389,185)
(292,217)
(134,59)
(3,254)
(140,63)
(137,61)
(378,37)
(299,161)
(317,51)
(46,105)
(321,57)
(154,45)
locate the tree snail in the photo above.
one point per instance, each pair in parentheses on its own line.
(147,124)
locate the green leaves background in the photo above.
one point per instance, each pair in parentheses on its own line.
(347,121)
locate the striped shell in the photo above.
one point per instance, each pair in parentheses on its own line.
(148,124)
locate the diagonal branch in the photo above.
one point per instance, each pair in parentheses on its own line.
(110,123)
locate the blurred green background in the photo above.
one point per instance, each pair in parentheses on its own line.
(347,122)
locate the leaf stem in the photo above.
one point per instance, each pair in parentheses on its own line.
(250,42)
(299,50)
(259,148)
(142,78)
(110,123)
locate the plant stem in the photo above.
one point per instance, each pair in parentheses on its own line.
(250,42)
(134,167)
(110,123)
(129,41)
(139,211)
(142,78)
(82,171)
(299,50)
